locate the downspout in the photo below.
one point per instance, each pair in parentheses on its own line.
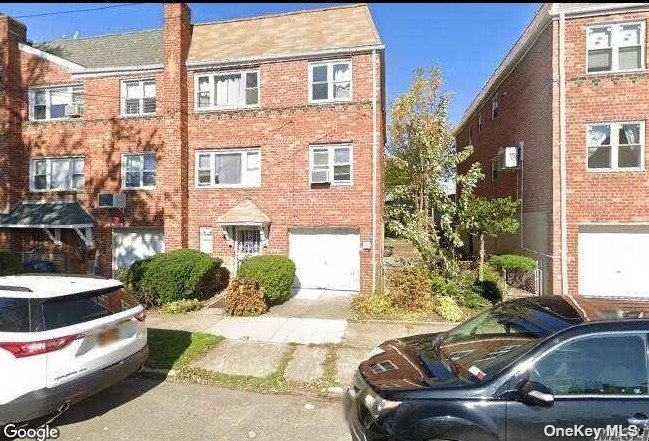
(374,169)
(562,153)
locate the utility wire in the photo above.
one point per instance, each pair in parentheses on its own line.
(73,11)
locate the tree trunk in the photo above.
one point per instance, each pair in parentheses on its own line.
(481,259)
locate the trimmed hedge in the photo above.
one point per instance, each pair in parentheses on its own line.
(274,273)
(176,275)
(512,262)
(10,264)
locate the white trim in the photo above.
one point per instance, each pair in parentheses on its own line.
(615,146)
(615,48)
(563,185)
(48,173)
(123,174)
(49,57)
(374,169)
(192,65)
(122,97)
(211,74)
(145,69)
(602,7)
(225,151)
(330,147)
(330,81)
(48,91)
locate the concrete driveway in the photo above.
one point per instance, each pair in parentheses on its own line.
(140,409)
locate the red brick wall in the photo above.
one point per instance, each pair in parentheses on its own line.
(619,197)
(525,115)
(283,127)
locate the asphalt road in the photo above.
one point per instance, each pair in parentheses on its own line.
(139,409)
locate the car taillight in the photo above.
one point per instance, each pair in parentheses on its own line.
(27,349)
(141,316)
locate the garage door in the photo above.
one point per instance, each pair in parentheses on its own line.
(326,259)
(132,245)
(612,261)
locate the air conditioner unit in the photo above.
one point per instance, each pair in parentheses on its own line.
(508,158)
(111,200)
(73,110)
(320,177)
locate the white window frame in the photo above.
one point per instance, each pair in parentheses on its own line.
(48,174)
(242,90)
(123,97)
(495,108)
(140,187)
(48,100)
(330,163)
(245,182)
(330,82)
(615,47)
(614,129)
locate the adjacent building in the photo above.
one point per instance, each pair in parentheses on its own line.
(561,126)
(242,137)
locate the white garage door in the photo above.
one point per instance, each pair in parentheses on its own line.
(132,245)
(326,259)
(612,261)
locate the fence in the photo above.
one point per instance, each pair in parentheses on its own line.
(530,281)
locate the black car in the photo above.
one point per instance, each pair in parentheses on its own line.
(537,368)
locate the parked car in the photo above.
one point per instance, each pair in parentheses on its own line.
(62,339)
(525,369)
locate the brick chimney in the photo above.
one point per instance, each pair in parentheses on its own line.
(174,158)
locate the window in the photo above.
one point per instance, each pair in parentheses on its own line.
(479,123)
(139,171)
(227,90)
(331,163)
(494,108)
(595,365)
(138,97)
(615,47)
(494,169)
(57,174)
(50,103)
(471,134)
(228,168)
(330,81)
(615,146)
(14,315)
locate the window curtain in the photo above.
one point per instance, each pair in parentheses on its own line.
(599,135)
(228,169)
(228,89)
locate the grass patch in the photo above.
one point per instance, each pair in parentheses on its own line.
(169,349)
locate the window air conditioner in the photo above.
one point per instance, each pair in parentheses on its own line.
(111,200)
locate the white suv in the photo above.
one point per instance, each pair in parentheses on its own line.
(62,339)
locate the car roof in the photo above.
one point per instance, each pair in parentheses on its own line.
(576,310)
(52,285)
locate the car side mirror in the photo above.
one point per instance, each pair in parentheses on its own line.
(535,394)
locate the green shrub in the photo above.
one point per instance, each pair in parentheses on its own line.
(274,273)
(489,290)
(448,309)
(10,263)
(245,297)
(461,290)
(409,287)
(181,306)
(175,275)
(512,262)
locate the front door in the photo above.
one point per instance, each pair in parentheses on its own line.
(248,244)
(598,381)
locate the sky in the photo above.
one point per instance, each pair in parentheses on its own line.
(467,40)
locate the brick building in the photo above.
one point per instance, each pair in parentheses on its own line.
(241,137)
(571,100)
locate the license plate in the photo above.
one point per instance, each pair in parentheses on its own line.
(107,337)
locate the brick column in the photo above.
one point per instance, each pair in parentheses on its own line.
(174,164)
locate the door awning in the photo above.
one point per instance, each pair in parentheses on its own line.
(244,213)
(52,217)
(37,214)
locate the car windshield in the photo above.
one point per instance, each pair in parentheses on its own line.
(481,347)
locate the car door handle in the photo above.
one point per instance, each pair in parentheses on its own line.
(639,420)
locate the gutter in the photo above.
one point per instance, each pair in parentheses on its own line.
(260,58)
(562,153)
(113,70)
